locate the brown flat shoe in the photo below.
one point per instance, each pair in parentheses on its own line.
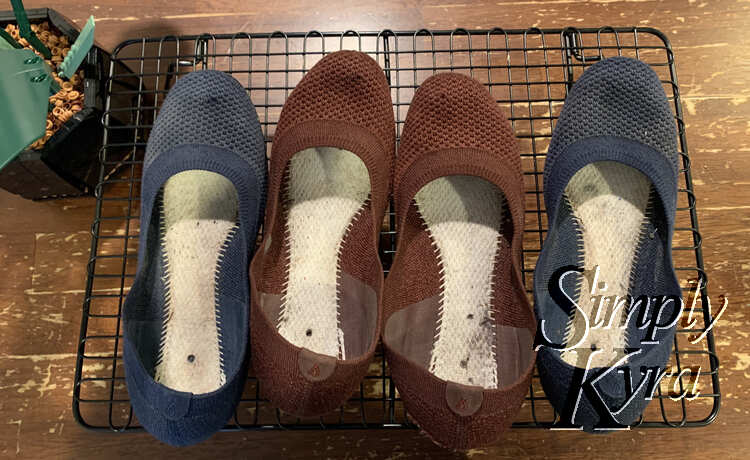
(458,327)
(316,280)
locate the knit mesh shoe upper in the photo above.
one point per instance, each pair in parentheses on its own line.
(186,315)
(617,97)
(455,114)
(209,109)
(610,188)
(458,332)
(346,87)
(317,282)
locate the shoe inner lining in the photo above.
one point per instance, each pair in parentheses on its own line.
(327,189)
(199,218)
(609,201)
(464,216)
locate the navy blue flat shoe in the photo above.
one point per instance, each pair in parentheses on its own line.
(186,316)
(606,295)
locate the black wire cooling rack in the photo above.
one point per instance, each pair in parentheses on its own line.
(528,72)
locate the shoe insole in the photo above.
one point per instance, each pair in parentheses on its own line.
(609,201)
(464,216)
(199,218)
(327,188)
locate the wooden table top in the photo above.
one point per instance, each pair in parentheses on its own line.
(44,245)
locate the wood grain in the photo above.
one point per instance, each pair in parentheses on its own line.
(44,246)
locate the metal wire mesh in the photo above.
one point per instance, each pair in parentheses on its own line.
(527,71)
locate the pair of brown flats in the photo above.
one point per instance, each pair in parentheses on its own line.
(455,321)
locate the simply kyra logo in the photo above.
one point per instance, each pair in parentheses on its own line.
(594,344)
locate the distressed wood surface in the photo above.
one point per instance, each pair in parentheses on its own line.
(44,246)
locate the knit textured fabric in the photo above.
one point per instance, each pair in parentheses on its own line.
(186,315)
(610,192)
(182,120)
(443,124)
(316,284)
(344,86)
(617,97)
(459,329)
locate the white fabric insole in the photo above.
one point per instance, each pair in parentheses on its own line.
(199,216)
(609,200)
(327,188)
(464,215)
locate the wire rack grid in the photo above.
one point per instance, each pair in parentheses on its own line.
(527,71)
